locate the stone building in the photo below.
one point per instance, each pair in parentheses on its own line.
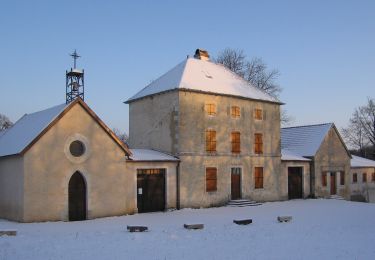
(225,132)
(362,179)
(330,159)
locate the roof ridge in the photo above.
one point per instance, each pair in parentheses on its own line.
(300,126)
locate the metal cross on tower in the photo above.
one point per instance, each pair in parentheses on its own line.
(74,81)
(75,57)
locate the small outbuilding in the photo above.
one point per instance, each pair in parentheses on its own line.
(64,163)
(362,183)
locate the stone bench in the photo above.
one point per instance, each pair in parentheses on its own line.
(193,226)
(137,228)
(8,233)
(284,218)
(243,221)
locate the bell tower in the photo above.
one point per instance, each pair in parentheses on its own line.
(75,81)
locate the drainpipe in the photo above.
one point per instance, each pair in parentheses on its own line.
(178,185)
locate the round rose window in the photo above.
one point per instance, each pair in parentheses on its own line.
(77,148)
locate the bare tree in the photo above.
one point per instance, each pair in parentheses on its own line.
(353,134)
(360,133)
(256,72)
(121,135)
(234,60)
(5,122)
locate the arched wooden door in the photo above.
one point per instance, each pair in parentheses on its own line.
(77,197)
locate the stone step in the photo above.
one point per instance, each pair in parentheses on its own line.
(242,203)
(336,197)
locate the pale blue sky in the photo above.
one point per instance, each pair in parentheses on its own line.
(324,50)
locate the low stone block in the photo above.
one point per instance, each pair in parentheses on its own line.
(193,226)
(243,221)
(284,218)
(8,233)
(137,228)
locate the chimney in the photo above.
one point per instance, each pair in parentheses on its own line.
(201,54)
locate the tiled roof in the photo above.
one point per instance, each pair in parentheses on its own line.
(304,140)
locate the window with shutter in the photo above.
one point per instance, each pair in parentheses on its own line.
(210,141)
(355,178)
(364,177)
(258,177)
(211,109)
(258,114)
(342,178)
(236,142)
(211,179)
(258,144)
(373,176)
(324,179)
(235,112)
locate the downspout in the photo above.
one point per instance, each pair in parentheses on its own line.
(178,185)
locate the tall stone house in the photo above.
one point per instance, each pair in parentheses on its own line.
(225,132)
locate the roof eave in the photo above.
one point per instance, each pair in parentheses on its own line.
(202,92)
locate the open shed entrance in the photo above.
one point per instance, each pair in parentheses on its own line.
(77,197)
(295,182)
(150,190)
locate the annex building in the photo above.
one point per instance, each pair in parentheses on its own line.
(200,136)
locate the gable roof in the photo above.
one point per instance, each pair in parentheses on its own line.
(359,162)
(306,140)
(31,127)
(203,76)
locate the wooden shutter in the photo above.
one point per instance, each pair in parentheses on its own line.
(211,179)
(342,178)
(355,178)
(258,175)
(324,179)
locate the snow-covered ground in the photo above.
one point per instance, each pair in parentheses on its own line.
(320,229)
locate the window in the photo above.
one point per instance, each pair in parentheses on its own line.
(364,177)
(258,114)
(373,177)
(150,171)
(236,171)
(236,142)
(210,141)
(77,148)
(324,179)
(211,109)
(211,179)
(355,178)
(342,178)
(258,174)
(235,111)
(258,148)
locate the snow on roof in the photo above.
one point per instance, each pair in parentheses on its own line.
(26,129)
(358,162)
(150,155)
(287,155)
(205,76)
(304,140)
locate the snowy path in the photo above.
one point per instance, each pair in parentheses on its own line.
(321,229)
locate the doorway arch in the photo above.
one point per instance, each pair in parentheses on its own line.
(77,197)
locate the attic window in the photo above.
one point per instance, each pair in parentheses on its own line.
(77,148)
